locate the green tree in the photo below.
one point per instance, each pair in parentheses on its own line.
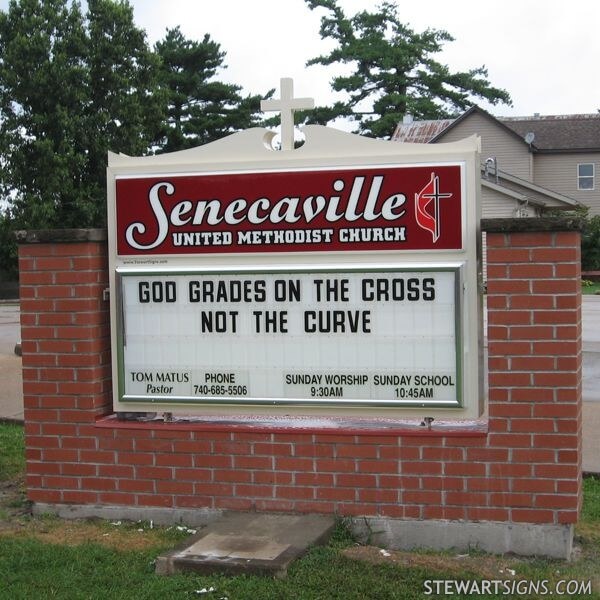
(42,88)
(8,248)
(590,244)
(199,108)
(393,72)
(125,106)
(71,87)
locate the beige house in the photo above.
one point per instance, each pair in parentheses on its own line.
(529,164)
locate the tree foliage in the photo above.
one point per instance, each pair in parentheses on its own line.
(42,86)
(200,109)
(74,85)
(71,87)
(393,72)
(590,244)
(8,249)
(126,106)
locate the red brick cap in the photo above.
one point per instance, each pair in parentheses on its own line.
(532,224)
(46,236)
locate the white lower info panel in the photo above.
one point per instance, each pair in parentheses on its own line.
(342,342)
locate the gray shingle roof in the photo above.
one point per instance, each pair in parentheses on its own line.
(559,132)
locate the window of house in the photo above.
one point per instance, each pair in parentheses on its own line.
(585,176)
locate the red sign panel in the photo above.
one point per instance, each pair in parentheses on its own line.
(388,208)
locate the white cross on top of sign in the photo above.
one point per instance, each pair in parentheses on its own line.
(287,104)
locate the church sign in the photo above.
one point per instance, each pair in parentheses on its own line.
(336,279)
(384,208)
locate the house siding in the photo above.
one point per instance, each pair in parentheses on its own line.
(512,155)
(493,206)
(559,172)
(496,206)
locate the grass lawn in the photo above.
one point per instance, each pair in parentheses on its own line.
(12,451)
(594,288)
(49,558)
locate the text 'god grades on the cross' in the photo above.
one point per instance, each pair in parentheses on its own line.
(257,291)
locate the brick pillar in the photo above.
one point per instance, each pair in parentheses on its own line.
(65,336)
(535,362)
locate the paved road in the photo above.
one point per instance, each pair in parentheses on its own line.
(11,390)
(11,401)
(591,348)
(591,384)
(9,327)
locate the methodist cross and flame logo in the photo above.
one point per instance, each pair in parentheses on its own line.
(427,207)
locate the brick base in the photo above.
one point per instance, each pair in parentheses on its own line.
(521,465)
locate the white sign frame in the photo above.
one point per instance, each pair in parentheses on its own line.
(324,148)
(150,377)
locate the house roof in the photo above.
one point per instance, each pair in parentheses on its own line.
(568,133)
(552,133)
(513,186)
(420,132)
(558,133)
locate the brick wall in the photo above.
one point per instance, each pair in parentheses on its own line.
(522,465)
(65,340)
(535,361)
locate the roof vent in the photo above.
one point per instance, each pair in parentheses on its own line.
(536,115)
(407,119)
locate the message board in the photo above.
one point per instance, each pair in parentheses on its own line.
(337,279)
(312,338)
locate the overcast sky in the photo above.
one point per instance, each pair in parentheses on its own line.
(544,52)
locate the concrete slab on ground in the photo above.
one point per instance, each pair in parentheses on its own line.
(250,543)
